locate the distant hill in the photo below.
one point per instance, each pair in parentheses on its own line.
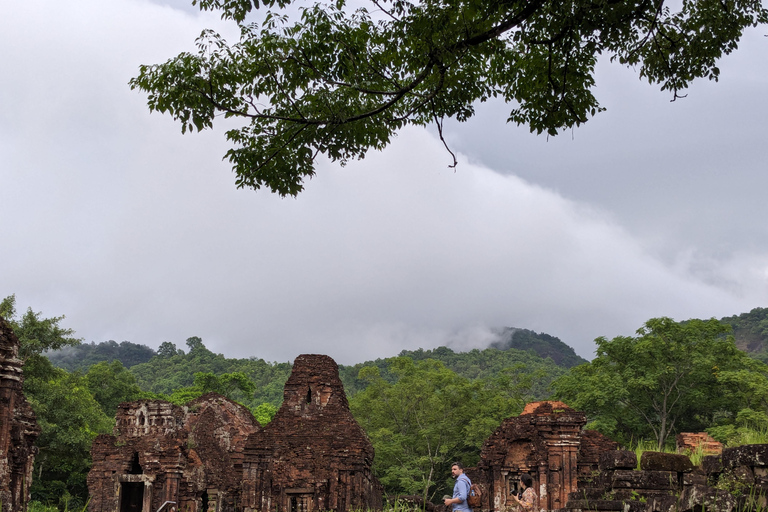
(750,330)
(526,351)
(475,364)
(81,357)
(541,343)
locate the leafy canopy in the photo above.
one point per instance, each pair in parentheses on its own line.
(671,377)
(36,334)
(430,416)
(339,80)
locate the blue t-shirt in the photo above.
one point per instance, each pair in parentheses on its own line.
(461,491)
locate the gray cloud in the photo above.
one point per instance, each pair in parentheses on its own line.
(135,232)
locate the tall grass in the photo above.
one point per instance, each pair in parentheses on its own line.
(36,506)
(748,435)
(643,445)
(649,445)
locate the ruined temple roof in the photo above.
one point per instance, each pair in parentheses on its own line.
(315,413)
(526,435)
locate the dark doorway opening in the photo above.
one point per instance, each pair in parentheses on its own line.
(131,496)
(299,503)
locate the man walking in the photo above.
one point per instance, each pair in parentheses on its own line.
(460,489)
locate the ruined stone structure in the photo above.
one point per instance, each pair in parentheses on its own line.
(212,456)
(162,455)
(736,481)
(313,455)
(545,441)
(18,427)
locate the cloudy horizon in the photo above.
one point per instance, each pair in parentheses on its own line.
(135,232)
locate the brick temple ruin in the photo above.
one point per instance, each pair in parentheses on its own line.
(212,456)
(313,455)
(18,426)
(163,455)
(547,441)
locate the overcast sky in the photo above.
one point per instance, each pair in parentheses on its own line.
(112,217)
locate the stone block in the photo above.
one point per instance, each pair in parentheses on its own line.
(618,459)
(695,478)
(754,455)
(590,493)
(663,503)
(655,480)
(659,461)
(743,474)
(699,497)
(603,505)
(712,464)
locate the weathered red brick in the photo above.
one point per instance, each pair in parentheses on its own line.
(313,455)
(18,426)
(689,442)
(160,452)
(547,442)
(211,455)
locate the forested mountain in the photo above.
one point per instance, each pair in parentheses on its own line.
(81,357)
(543,344)
(475,364)
(750,331)
(175,369)
(540,356)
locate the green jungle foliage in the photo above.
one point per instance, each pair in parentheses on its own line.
(475,364)
(68,415)
(750,427)
(672,377)
(111,384)
(427,418)
(173,369)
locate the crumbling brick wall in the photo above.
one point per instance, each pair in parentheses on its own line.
(18,426)
(313,455)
